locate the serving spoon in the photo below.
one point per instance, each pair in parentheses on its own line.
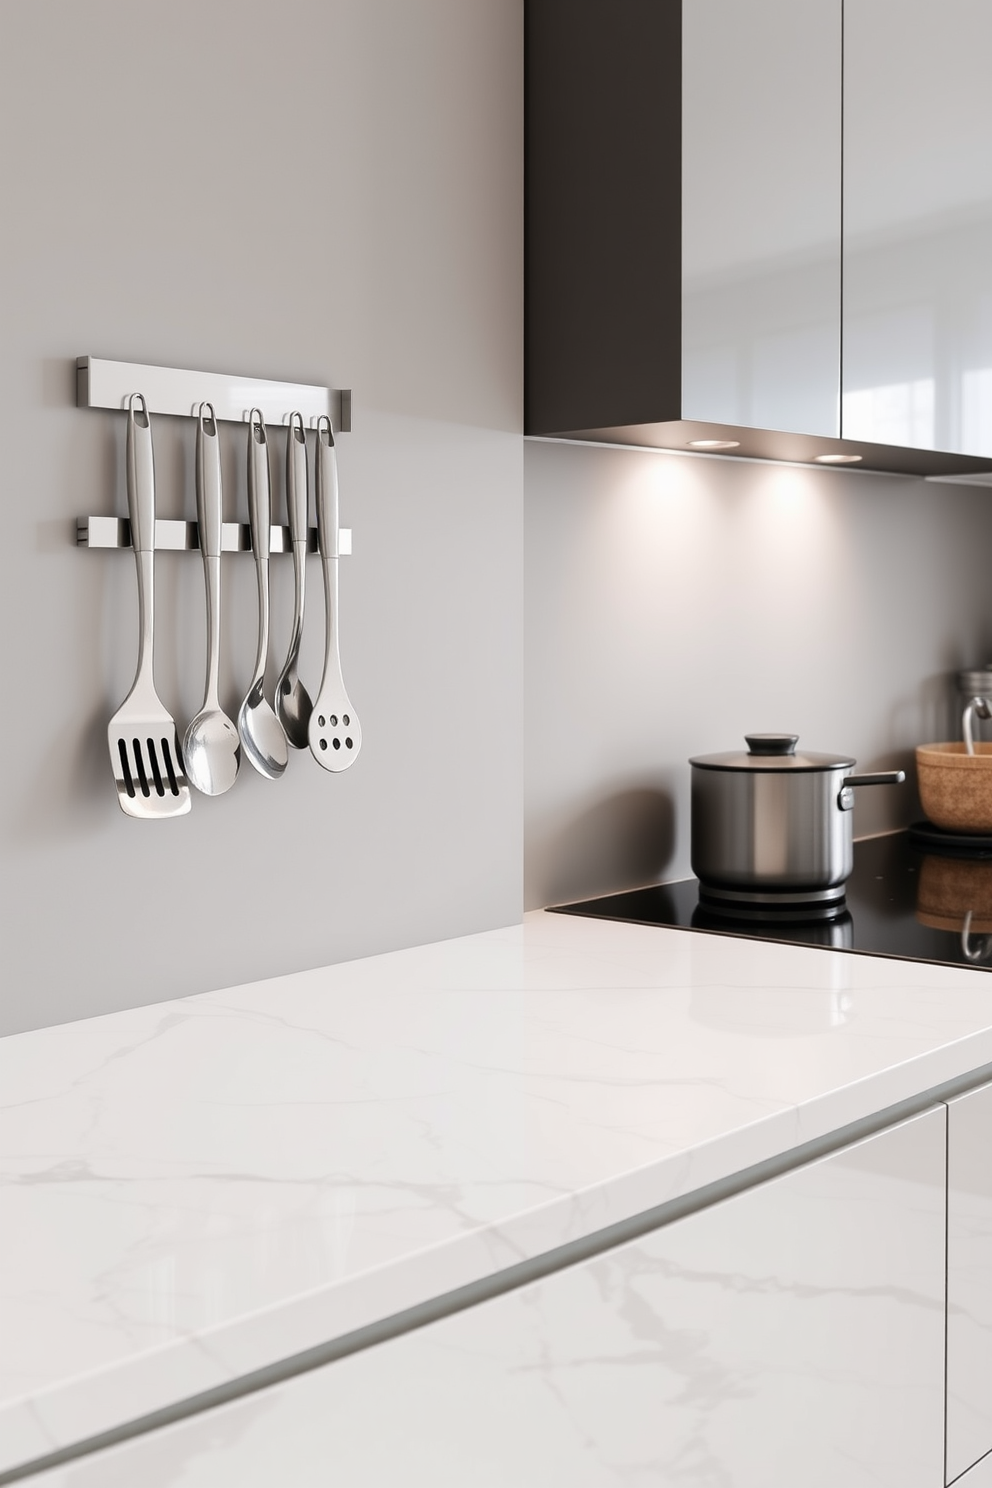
(211,747)
(293,705)
(261,732)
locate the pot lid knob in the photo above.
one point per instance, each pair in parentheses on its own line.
(771,743)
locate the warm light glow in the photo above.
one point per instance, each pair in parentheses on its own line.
(714,444)
(837,459)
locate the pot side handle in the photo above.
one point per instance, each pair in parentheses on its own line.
(845,799)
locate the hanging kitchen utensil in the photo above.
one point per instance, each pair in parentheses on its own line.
(261,732)
(211,744)
(975,686)
(144,745)
(293,705)
(774,827)
(335,734)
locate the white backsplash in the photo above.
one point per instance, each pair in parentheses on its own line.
(674,602)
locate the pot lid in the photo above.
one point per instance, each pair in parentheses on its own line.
(775,753)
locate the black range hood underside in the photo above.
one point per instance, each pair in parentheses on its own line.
(769,444)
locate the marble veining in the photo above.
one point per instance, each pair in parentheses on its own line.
(193,1190)
(760,1343)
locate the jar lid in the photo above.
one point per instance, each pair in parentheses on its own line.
(775,753)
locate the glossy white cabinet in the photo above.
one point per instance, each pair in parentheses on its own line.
(969,1279)
(980,1476)
(761,213)
(789,1337)
(917,316)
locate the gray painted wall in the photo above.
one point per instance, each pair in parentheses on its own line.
(319,190)
(674,602)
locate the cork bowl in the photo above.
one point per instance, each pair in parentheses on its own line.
(956,787)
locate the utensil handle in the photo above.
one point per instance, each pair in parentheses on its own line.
(978,706)
(209,494)
(327,490)
(209,516)
(259,492)
(140,462)
(297,479)
(140,473)
(332,653)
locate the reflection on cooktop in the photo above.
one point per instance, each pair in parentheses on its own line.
(901,901)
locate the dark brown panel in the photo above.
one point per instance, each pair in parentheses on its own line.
(603,212)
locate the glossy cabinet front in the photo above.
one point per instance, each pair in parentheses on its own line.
(761,213)
(789,1337)
(762,226)
(969,1280)
(917,320)
(980,1476)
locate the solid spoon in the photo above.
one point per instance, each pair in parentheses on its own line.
(335,734)
(293,703)
(211,747)
(260,730)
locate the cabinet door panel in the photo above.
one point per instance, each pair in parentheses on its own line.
(761,131)
(790,1337)
(917,271)
(980,1475)
(969,1279)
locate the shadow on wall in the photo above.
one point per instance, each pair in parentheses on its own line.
(620,842)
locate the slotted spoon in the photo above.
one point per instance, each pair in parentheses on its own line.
(144,745)
(335,734)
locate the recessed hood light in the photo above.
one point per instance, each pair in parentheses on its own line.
(837,459)
(714,444)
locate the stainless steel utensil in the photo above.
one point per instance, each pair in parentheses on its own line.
(975,686)
(293,705)
(144,745)
(773,827)
(335,734)
(211,745)
(261,732)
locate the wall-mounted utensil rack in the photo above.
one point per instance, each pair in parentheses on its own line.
(171,390)
(184,537)
(106,384)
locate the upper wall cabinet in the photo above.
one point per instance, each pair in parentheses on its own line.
(918,224)
(718,232)
(761,219)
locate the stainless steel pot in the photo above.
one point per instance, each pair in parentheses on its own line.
(772,827)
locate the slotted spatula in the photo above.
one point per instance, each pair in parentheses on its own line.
(335,734)
(144,745)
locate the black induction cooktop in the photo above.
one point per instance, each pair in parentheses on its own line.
(902,899)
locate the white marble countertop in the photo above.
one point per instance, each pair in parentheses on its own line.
(197,1189)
